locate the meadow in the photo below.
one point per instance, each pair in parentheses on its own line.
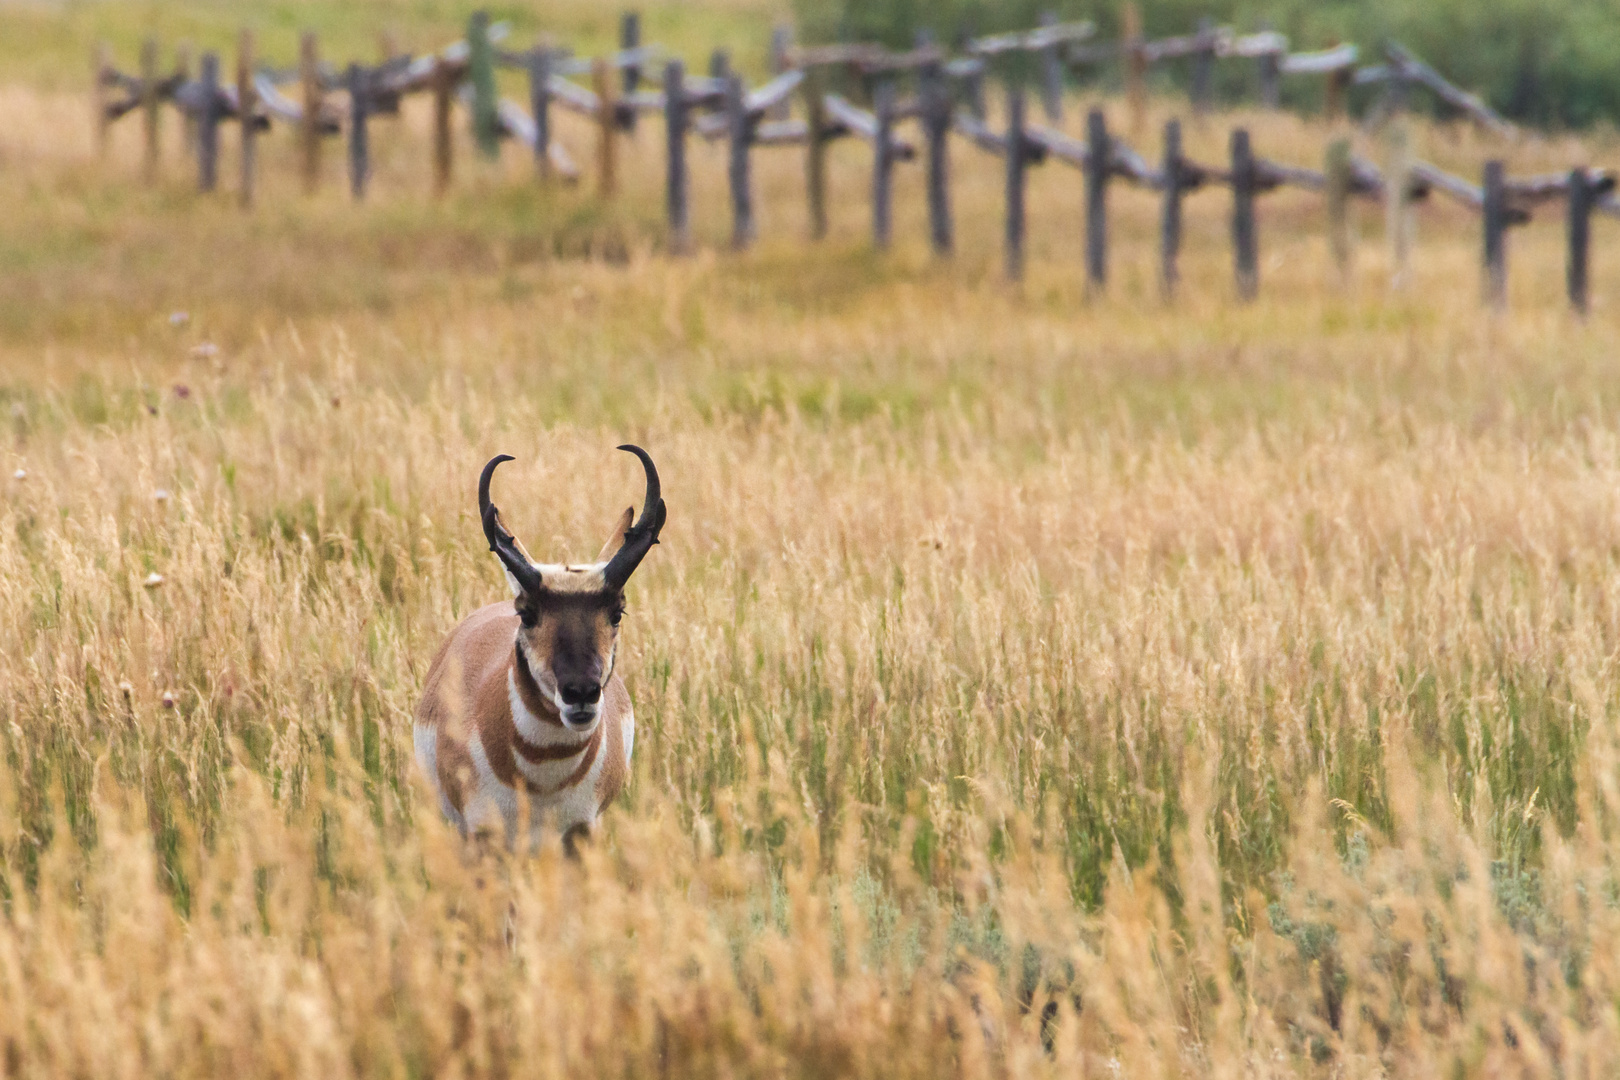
(1029,681)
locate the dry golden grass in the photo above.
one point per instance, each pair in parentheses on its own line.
(1028,684)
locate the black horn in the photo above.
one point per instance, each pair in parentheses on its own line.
(501,542)
(639,538)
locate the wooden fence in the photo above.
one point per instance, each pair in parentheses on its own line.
(944,95)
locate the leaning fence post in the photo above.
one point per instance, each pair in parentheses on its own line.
(481,73)
(675,116)
(1245,250)
(359,165)
(742,203)
(208,124)
(1397,204)
(1170,211)
(540,105)
(1580,237)
(781,45)
(102,68)
(151,107)
(1097,155)
(1270,71)
(815,162)
(606,124)
(1051,74)
(936,118)
(444,83)
(247,99)
(1016,152)
(882,163)
(1338,205)
(1203,65)
(309,73)
(630,38)
(1494,211)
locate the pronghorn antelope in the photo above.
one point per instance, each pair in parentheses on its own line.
(522,703)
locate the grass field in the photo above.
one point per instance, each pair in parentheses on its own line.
(1028,682)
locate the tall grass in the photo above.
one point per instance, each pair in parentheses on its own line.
(1027,683)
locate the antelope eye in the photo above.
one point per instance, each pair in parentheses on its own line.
(616,615)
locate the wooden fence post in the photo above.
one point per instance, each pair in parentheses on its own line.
(540,105)
(1016,152)
(1269,65)
(936,118)
(1338,81)
(1135,67)
(1494,212)
(151,108)
(1203,68)
(815,162)
(1397,204)
(675,123)
(1245,249)
(781,44)
(359,148)
(720,65)
(247,99)
(1396,88)
(1097,155)
(309,73)
(444,85)
(481,73)
(1580,238)
(630,38)
(1170,211)
(101,67)
(882,164)
(607,172)
(208,125)
(182,75)
(973,92)
(742,201)
(1051,74)
(1338,205)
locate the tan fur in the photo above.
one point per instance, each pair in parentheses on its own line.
(615,769)
(467,691)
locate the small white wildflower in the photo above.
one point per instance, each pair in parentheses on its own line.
(153,580)
(168,699)
(161,495)
(205,351)
(179,318)
(125,688)
(20,474)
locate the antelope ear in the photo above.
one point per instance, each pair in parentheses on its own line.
(615,540)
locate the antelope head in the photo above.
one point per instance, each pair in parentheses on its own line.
(569,613)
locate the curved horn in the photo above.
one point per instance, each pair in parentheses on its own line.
(500,540)
(639,538)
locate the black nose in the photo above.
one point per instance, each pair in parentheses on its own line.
(580,693)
